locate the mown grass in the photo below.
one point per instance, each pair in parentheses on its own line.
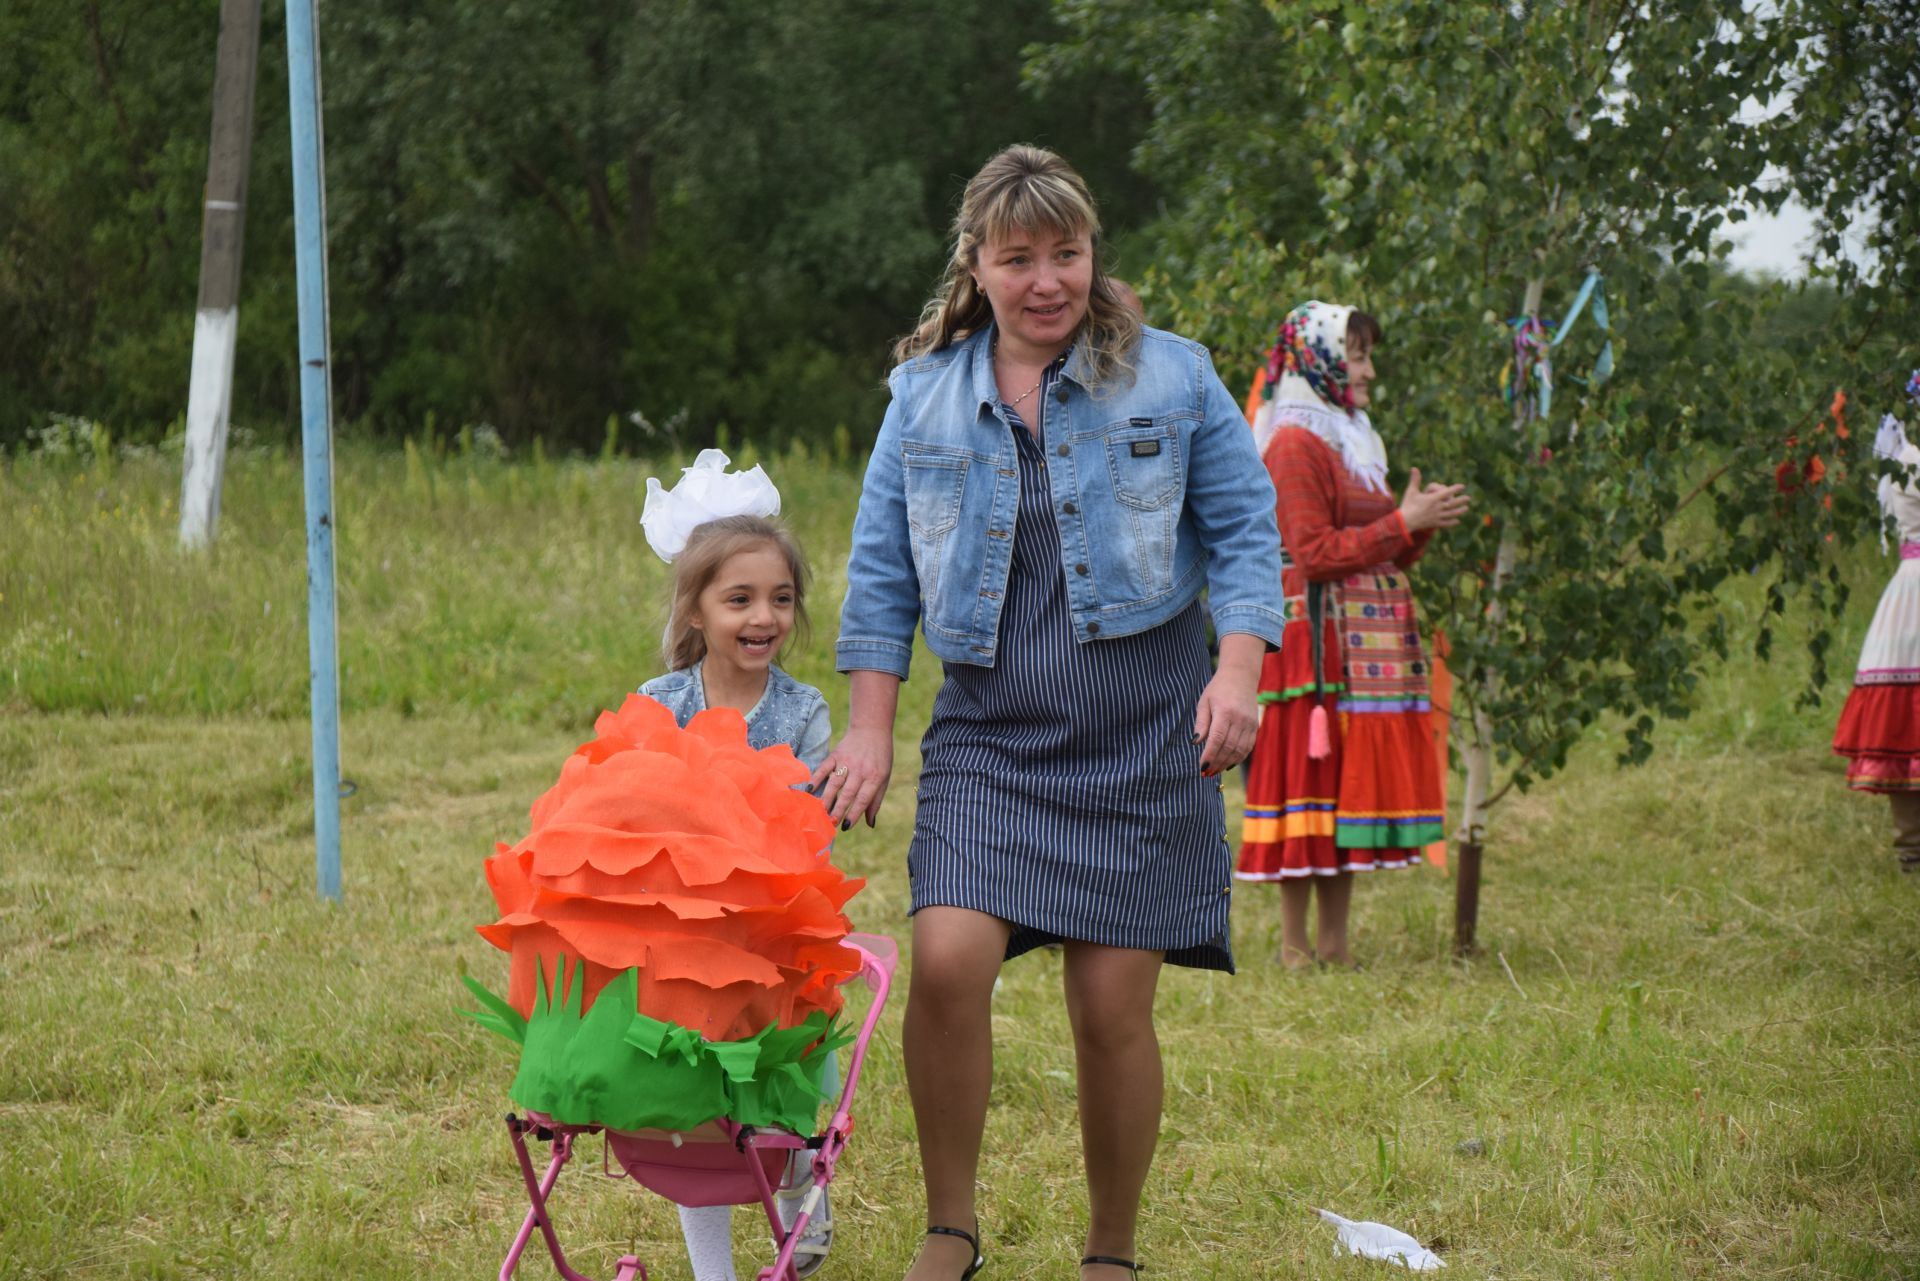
(1689,1048)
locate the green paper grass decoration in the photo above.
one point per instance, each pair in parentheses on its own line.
(616,1067)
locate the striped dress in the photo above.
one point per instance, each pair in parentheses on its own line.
(1060,789)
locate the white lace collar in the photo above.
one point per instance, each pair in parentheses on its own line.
(1350,435)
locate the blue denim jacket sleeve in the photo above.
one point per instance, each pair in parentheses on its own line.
(1230,500)
(883,588)
(816,738)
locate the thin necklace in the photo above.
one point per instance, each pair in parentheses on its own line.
(1015,403)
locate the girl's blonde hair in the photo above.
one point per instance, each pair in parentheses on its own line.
(1033,190)
(710,547)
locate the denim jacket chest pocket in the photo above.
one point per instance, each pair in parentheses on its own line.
(1146,459)
(935,481)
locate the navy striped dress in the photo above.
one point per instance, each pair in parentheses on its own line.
(1060,789)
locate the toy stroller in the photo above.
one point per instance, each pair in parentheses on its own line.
(722,1163)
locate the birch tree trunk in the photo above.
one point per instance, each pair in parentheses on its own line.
(1473,806)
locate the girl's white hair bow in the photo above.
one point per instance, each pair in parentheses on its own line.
(706,491)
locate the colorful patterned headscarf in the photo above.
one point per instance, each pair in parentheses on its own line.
(1312,343)
(1307,385)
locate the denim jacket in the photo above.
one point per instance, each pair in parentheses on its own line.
(1156,488)
(789,712)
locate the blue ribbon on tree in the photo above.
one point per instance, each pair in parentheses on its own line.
(1527,333)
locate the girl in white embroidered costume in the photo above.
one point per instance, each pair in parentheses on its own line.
(1879,730)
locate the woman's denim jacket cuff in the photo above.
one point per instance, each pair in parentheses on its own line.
(853,654)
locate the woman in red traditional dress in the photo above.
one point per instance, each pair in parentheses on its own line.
(1343,777)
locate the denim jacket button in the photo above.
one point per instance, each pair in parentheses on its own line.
(1069,508)
(1063,451)
(1081,568)
(1093,629)
(1061,395)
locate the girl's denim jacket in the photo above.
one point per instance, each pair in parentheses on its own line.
(789,712)
(1155,486)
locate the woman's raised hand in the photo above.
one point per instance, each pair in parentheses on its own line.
(1432,506)
(852,781)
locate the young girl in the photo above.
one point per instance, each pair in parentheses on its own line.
(1879,730)
(739,586)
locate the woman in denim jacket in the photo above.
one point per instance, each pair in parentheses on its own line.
(1052,487)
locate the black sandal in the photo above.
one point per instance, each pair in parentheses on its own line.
(1110,1261)
(979,1259)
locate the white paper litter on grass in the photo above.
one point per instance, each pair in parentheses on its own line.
(1378,1241)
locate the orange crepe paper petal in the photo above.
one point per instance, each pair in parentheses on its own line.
(685,855)
(740,890)
(693,859)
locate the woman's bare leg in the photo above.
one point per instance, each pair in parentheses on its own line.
(1295,952)
(1330,933)
(948,1040)
(1110,1004)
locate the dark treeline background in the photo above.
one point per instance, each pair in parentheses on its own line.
(543,212)
(690,217)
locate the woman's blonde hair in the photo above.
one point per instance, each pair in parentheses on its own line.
(710,547)
(1033,190)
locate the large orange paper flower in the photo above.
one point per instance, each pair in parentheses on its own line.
(689,856)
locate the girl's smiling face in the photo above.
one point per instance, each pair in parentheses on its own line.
(746,612)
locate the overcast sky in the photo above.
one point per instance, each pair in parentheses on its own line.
(1773,244)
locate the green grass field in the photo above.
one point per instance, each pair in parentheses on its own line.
(1689,1049)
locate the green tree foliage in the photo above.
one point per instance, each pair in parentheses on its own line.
(1849,147)
(543,212)
(1441,164)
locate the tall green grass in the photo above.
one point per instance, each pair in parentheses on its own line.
(520,587)
(1689,1049)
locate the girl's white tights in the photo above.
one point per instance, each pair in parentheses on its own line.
(709,1233)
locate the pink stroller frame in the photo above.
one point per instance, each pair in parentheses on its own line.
(730,1165)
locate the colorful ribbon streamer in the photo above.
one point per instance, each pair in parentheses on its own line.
(1534,341)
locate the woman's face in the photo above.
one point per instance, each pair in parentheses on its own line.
(1037,284)
(1360,370)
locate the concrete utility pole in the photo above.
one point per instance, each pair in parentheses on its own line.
(222,230)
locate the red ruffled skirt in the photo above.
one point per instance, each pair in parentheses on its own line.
(1374,800)
(1879,730)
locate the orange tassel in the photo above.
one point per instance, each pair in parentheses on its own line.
(1319,737)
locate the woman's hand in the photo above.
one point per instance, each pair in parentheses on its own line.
(1432,506)
(1227,717)
(852,781)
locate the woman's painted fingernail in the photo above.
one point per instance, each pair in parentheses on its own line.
(869,820)
(1196,740)
(846,825)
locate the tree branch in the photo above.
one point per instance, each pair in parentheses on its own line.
(544,189)
(136,157)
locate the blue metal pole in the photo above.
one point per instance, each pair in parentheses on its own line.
(316,430)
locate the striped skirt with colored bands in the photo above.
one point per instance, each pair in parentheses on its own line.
(1374,799)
